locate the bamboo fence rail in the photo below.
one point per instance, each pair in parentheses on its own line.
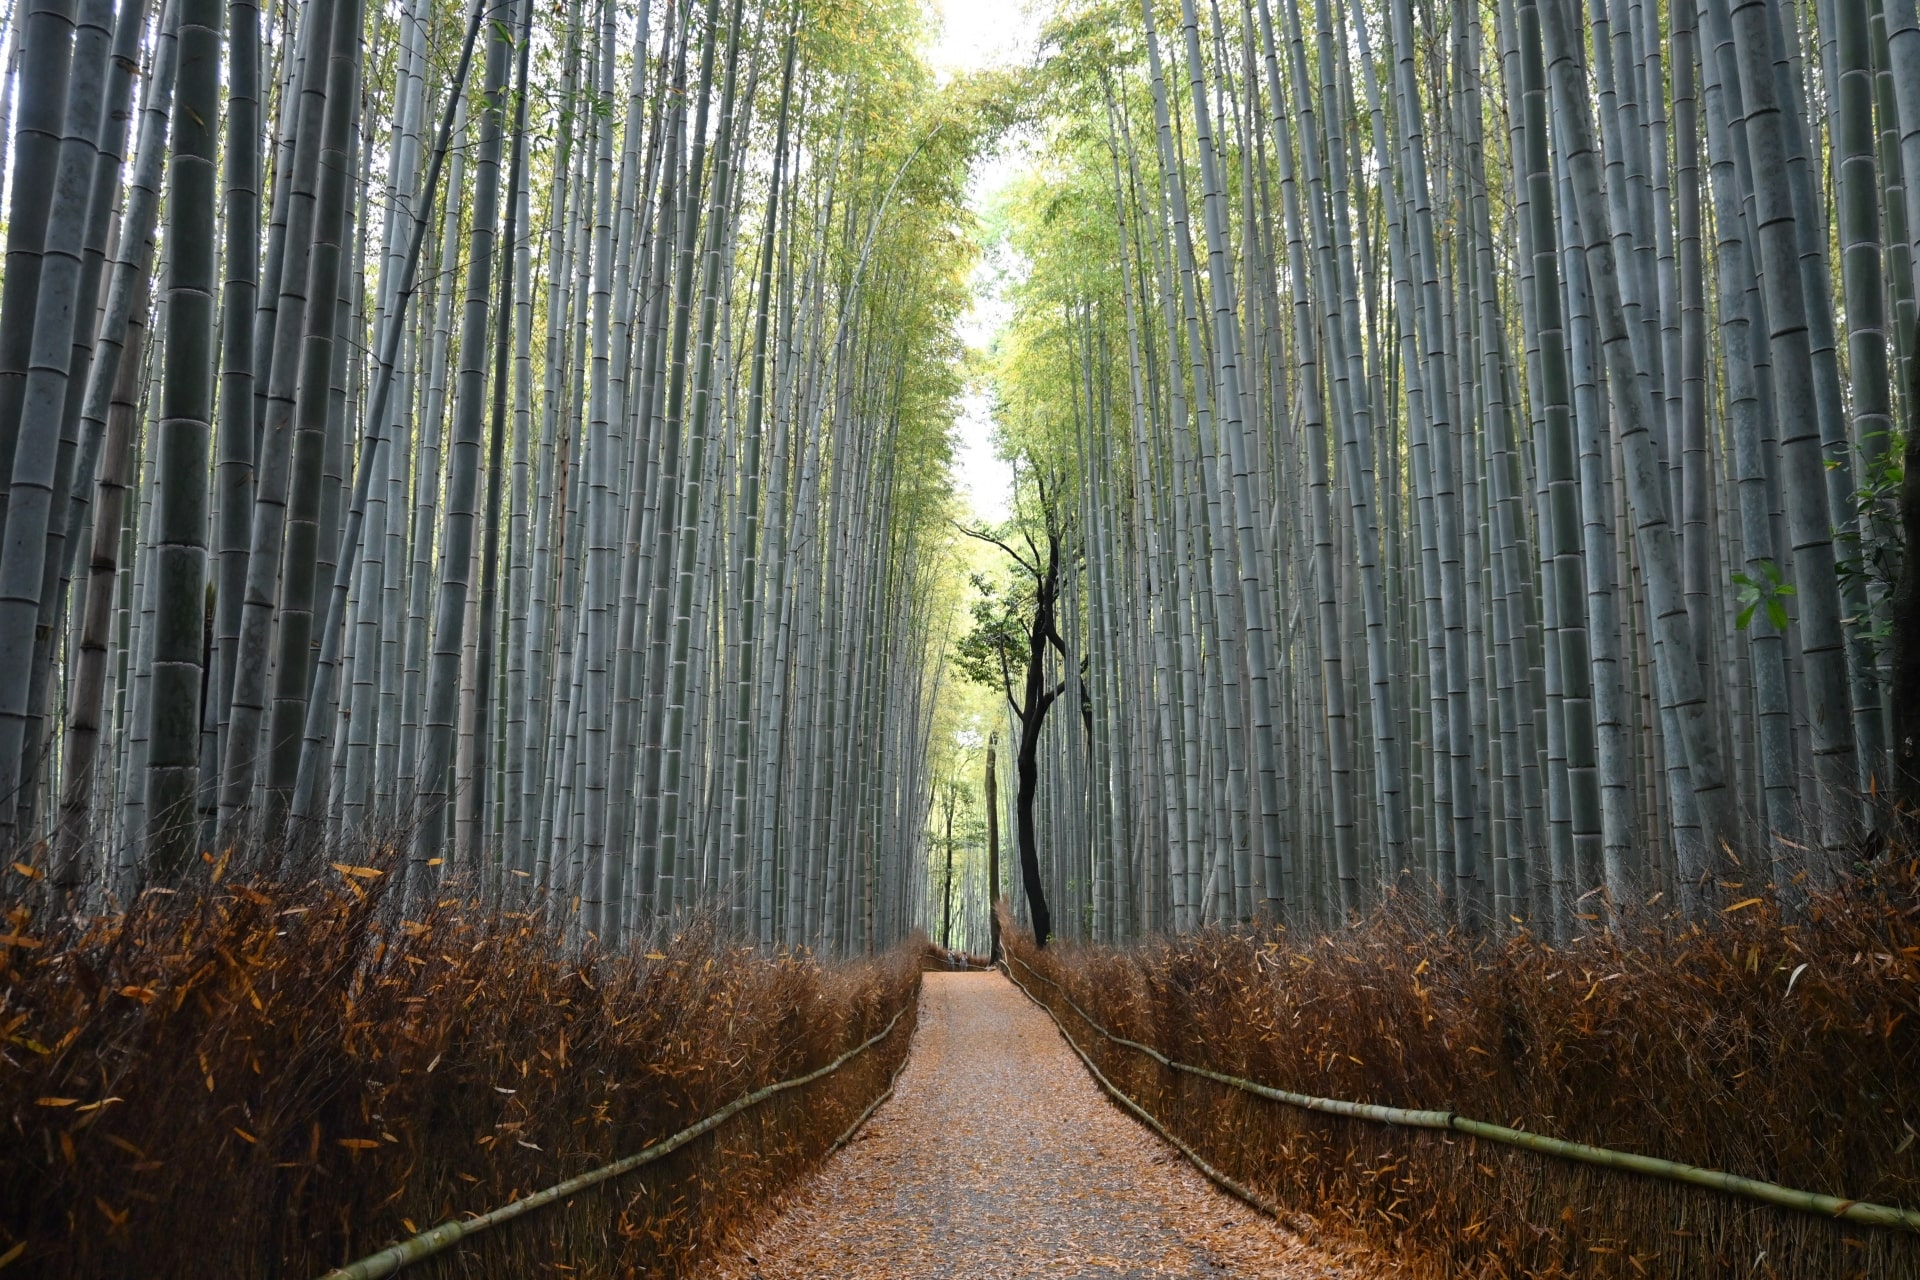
(407,1252)
(1878,1215)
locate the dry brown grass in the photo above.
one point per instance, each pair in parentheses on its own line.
(1681,1044)
(244,1079)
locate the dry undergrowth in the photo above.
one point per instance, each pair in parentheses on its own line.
(245,1079)
(1779,1050)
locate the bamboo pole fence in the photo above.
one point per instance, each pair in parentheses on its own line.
(1876,1215)
(436,1239)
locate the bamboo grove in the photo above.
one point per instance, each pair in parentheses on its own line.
(510,434)
(1477,431)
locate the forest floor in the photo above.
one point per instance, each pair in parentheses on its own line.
(998,1156)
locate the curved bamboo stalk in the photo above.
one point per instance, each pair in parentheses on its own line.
(1878,1215)
(427,1243)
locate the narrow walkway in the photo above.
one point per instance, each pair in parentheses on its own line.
(998,1156)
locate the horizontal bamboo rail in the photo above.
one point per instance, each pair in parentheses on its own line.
(1877,1215)
(427,1243)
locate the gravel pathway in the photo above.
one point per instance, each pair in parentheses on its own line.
(998,1156)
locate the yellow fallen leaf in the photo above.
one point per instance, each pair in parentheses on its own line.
(363,873)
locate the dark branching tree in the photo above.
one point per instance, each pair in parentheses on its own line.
(1014,625)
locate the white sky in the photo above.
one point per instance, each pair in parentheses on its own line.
(976,34)
(982,33)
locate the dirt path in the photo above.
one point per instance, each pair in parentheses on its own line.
(998,1156)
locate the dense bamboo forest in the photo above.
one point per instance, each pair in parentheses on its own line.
(517,436)
(1459,451)
(589,587)
(1462,452)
